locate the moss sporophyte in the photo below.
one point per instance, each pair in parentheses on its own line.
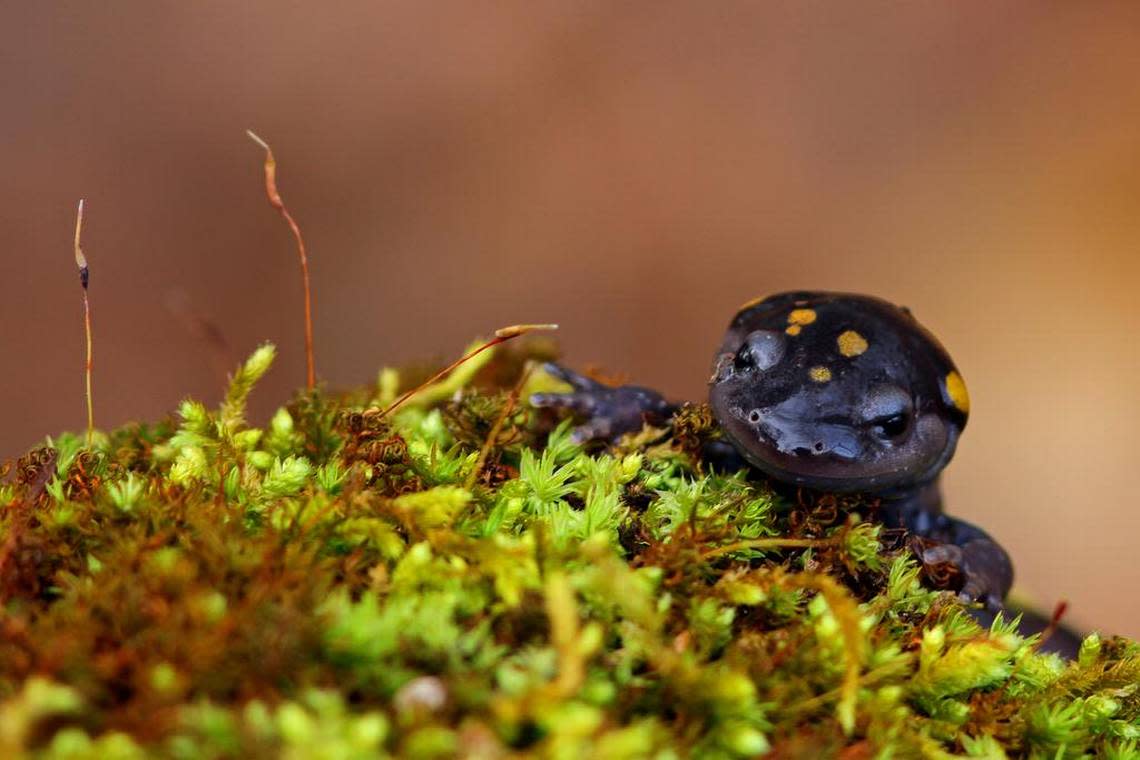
(454,576)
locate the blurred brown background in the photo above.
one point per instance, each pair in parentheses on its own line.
(633,171)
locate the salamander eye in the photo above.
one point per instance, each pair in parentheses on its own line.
(762,350)
(887,412)
(891,427)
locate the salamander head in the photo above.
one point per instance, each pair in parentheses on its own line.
(837,391)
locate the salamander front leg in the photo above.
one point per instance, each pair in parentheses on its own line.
(984,565)
(606,412)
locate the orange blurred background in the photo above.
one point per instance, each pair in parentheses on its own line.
(633,171)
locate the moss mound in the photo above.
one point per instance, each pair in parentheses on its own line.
(459,579)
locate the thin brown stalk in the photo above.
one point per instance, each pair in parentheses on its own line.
(84,279)
(276,202)
(508,407)
(501,336)
(200,325)
(1054,623)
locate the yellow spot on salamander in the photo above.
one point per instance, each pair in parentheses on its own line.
(851,343)
(819,374)
(801,316)
(793,330)
(956,390)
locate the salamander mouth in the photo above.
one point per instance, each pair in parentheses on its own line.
(807,465)
(831,454)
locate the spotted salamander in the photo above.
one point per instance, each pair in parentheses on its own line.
(835,392)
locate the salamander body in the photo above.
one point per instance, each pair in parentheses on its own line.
(836,392)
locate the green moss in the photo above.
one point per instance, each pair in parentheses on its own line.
(345,583)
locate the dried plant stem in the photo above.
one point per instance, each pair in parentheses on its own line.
(276,202)
(1054,622)
(508,407)
(87,368)
(502,335)
(201,326)
(84,279)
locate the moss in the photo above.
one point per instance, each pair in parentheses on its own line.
(460,578)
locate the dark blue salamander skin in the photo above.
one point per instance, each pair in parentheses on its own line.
(836,392)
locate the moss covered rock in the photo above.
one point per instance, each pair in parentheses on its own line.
(457,578)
